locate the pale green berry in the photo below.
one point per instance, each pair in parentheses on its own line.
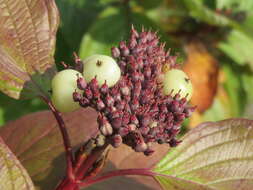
(63,85)
(103,67)
(175,81)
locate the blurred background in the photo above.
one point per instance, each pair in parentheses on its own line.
(212,38)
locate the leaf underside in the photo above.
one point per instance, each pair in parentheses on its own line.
(213,156)
(27,43)
(12,174)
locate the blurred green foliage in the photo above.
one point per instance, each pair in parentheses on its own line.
(225,27)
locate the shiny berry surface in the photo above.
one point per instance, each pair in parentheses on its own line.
(103,67)
(63,85)
(176,81)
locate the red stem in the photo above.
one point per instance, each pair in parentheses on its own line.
(92,158)
(123,172)
(65,136)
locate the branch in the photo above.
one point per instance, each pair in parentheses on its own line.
(91,159)
(65,137)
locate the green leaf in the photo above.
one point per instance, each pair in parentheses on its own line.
(233,84)
(12,174)
(200,12)
(76,18)
(7,105)
(27,43)
(36,141)
(238,47)
(245,5)
(213,156)
(217,111)
(228,102)
(113,25)
(149,4)
(108,30)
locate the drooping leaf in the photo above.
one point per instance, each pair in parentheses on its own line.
(213,156)
(12,174)
(36,141)
(27,43)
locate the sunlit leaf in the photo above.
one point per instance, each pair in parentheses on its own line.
(27,43)
(213,156)
(12,174)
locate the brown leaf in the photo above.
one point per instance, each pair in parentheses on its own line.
(125,158)
(27,41)
(202,69)
(36,141)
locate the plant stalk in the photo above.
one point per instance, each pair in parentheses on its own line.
(65,137)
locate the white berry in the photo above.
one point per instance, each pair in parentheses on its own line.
(103,67)
(63,85)
(176,80)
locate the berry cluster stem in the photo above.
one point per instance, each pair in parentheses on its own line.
(65,137)
(92,158)
(77,169)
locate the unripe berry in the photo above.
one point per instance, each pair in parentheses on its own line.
(103,67)
(176,81)
(64,84)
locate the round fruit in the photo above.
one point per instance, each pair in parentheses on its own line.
(63,85)
(176,80)
(103,67)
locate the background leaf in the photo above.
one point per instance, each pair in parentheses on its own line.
(239,52)
(198,10)
(216,156)
(27,43)
(112,26)
(12,174)
(107,31)
(76,19)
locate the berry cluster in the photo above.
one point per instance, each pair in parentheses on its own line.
(135,111)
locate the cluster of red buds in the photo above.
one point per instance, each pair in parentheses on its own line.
(135,111)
